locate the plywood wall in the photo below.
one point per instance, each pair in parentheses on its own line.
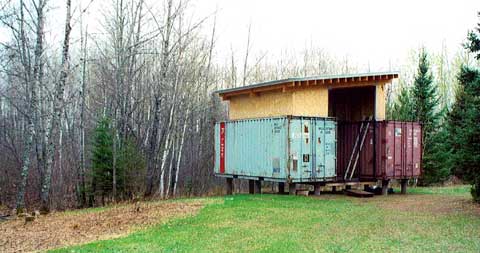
(304,101)
(311,102)
(268,104)
(380,102)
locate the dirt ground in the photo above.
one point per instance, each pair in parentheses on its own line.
(438,204)
(77,227)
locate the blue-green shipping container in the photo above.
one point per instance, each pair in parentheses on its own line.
(283,149)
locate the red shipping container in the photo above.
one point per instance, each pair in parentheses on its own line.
(391,150)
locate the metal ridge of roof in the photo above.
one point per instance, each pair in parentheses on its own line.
(297,79)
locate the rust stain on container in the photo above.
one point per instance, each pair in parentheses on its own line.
(392,150)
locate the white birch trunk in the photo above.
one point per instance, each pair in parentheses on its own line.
(57,111)
(179,157)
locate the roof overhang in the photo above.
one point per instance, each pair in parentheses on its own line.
(289,83)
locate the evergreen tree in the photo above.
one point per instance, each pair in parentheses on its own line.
(463,122)
(425,98)
(464,127)
(470,80)
(131,163)
(473,41)
(403,108)
(130,167)
(102,161)
(425,109)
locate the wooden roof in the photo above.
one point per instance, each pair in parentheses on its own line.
(289,83)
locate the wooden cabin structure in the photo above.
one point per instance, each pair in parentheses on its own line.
(352,97)
(368,147)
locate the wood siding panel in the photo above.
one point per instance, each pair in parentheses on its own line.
(301,101)
(311,102)
(380,102)
(268,104)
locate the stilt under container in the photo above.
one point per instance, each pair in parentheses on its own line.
(292,188)
(258,186)
(316,188)
(251,187)
(281,188)
(229,186)
(404,183)
(385,187)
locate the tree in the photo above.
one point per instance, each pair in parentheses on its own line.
(132,165)
(58,101)
(464,128)
(403,108)
(463,121)
(102,161)
(426,110)
(425,98)
(473,41)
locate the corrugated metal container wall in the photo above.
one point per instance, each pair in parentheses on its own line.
(299,149)
(398,146)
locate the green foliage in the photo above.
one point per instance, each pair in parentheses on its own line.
(464,122)
(463,125)
(436,158)
(130,165)
(425,105)
(473,41)
(102,159)
(403,108)
(425,98)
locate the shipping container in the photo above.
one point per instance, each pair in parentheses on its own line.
(390,150)
(282,149)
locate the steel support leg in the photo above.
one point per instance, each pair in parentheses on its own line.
(404,183)
(385,187)
(251,187)
(281,188)
(316,188)
(292,188)
(229,186)
(365,187)
(258,186)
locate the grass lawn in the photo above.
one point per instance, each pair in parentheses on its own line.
(426,220)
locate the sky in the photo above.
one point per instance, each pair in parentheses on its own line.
(374,33)
(369,32)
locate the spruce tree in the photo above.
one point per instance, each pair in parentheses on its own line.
(425,104)
(464,129)
(102,161)
(473,41)
(425,98)
(403,108)
(464,121)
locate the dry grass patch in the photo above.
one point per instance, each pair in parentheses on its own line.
(424,203)
(71,228)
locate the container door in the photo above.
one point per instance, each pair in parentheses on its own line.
(330,156)
(398,149)
(409,150)
(320,142)
(417,149)
(306,152)
(278,148)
